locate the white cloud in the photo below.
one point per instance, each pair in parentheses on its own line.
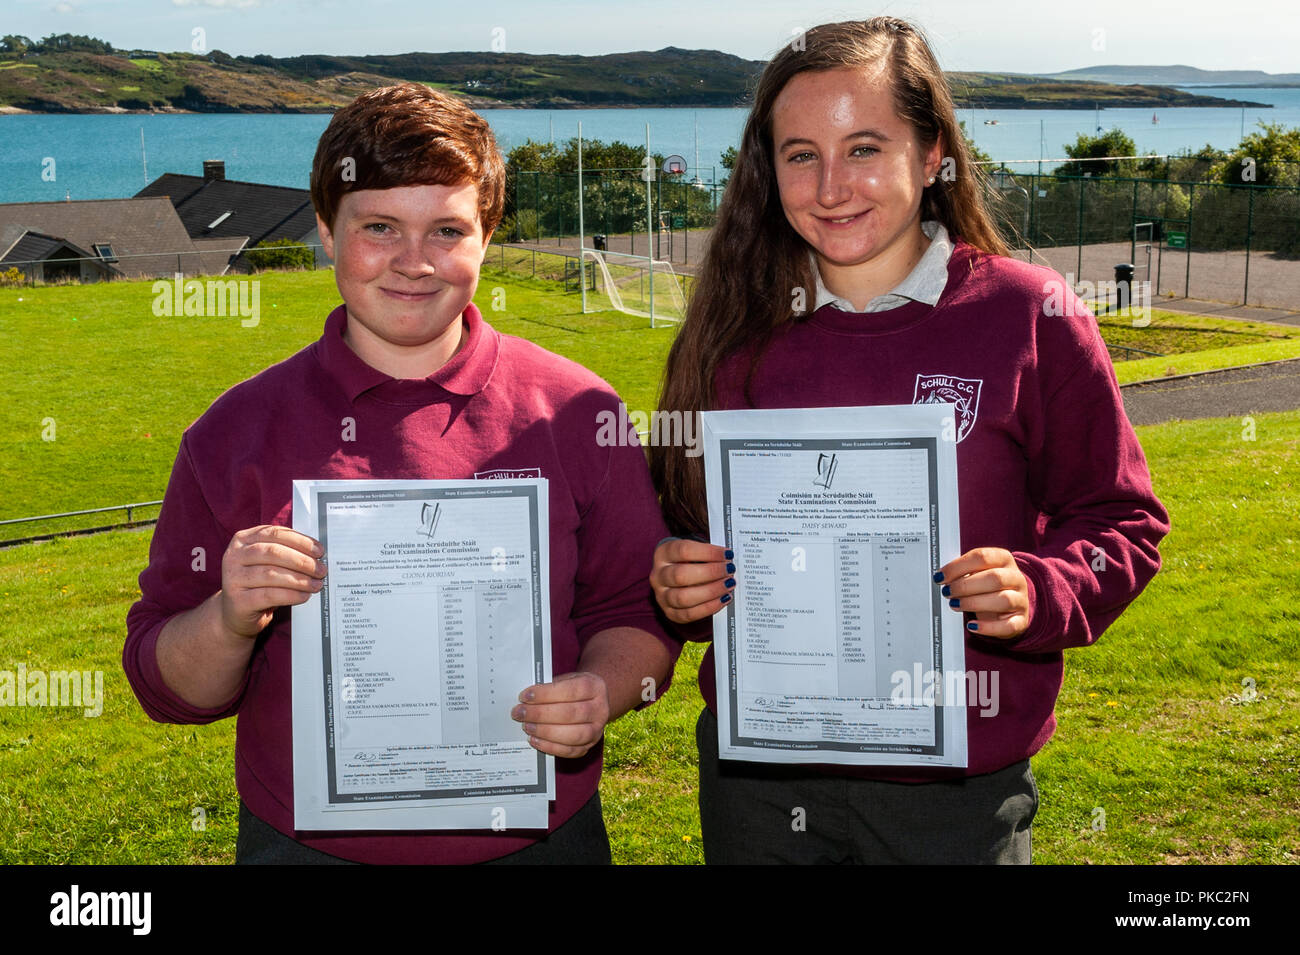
(238,4)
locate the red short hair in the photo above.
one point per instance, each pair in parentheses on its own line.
(407,135)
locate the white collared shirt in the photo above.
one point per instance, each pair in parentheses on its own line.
(925,283)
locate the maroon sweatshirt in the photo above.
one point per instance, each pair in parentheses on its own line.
(1048,466)
(501,407)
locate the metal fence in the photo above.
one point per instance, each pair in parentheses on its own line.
(565,267)
(544,207)
(49,526)
(136,266)
(1236,244)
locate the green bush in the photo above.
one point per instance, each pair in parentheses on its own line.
(1275,222)
(1270,157)
(526,225)
(1113,142)
(280,254)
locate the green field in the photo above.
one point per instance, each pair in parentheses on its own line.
(1181,725)
(1176,333)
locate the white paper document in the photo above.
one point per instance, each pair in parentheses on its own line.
(838,646)
(434,615)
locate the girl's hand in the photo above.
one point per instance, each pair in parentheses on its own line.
(988,583)
(691,579)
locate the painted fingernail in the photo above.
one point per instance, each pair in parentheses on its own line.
(725,597)
(517,713)
(955,602)
(946,591)
(316,585)
(730,555)
(938,577)
(731,568)
(530,728)
(972,625)
(731,581)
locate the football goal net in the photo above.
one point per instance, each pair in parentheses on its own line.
(634,285)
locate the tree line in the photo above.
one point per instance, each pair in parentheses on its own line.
(54,43)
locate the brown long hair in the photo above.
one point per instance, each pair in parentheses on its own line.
(755,260)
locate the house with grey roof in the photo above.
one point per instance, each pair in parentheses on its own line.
(94,239)
(216,210)
(48,259)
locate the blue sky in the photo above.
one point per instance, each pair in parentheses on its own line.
(1028,36)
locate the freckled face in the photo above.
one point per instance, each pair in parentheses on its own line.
(406,261)
(849,169)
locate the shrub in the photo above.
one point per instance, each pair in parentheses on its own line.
(280,254)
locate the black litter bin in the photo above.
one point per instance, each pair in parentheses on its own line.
(1124,283)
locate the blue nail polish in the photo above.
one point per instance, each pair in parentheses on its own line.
(947,591)
(731,568)
(972,625)
(955,602)
(938,577)
(725,597)
(731,581)
(730,555)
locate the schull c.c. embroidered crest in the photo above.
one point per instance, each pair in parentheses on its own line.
(507,474)
(962,392)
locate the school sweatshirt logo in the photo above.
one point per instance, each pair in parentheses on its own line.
(507,474)
(962,392)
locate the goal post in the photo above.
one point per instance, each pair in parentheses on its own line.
(658,293)
(633,285)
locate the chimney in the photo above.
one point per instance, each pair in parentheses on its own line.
(214,169)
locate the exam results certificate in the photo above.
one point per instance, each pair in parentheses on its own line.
(434,615)
(836,643)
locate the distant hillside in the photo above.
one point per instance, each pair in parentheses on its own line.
(1023,91)
(77,82)
(668,77)
(96,82)
(1176,76)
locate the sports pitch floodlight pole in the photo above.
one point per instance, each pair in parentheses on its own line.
(582,236)
(648,166)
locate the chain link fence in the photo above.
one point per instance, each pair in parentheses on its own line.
(544,209)
(1235,244)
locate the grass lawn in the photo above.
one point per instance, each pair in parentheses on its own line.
(1142,369)
(1157,731)
(1178,334)
(70,349)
